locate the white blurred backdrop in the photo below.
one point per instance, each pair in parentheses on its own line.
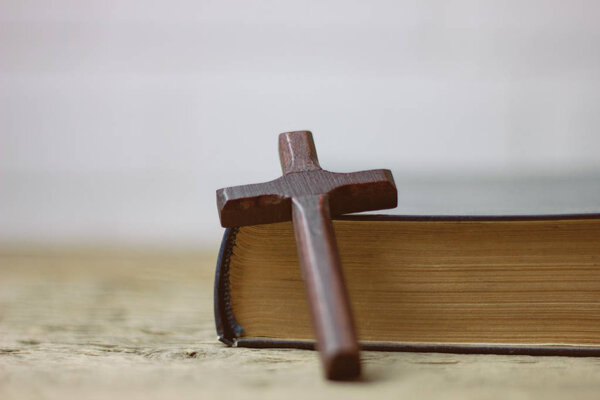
(120,119)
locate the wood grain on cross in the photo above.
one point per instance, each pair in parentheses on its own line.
(310,196)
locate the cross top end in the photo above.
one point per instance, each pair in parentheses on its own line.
(271,201)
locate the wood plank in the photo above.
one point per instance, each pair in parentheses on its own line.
(138,324)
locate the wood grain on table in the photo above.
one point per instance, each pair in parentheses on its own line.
(77,323)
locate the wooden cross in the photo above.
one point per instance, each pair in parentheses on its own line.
(310,196)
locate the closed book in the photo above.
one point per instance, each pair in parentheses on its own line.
(525,284)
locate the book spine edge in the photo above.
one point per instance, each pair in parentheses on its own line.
(228,330)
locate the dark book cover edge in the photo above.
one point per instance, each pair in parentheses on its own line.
(524,217)
(454,348)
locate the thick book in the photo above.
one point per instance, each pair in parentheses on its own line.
(526,284)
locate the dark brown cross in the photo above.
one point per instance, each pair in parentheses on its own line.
(310,196)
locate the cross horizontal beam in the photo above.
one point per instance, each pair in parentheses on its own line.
(269,202)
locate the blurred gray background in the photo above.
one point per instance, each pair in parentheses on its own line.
(119,119)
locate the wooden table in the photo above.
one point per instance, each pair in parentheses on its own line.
(139,324)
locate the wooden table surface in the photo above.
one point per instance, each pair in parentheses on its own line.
(139,324)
